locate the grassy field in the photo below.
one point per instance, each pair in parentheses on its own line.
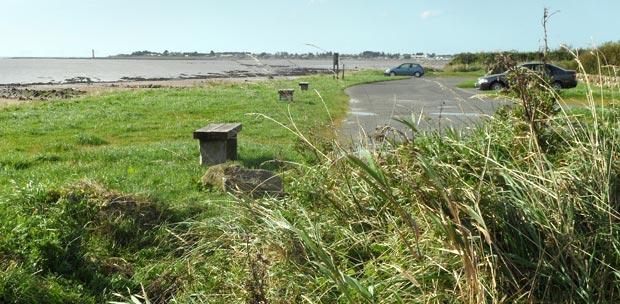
(62,161)
(128,140)
(100,201)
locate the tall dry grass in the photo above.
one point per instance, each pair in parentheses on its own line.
(525,209)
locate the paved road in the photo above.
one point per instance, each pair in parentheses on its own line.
(433,103)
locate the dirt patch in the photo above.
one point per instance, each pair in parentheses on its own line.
(8,102)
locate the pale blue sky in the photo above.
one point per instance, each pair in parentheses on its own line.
(74,27)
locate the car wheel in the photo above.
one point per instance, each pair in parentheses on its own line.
(392,74)
(556,85)
(417,74)
(497,86)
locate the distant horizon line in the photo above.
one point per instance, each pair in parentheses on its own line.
(166,53)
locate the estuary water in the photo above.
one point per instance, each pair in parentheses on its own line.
(63,70)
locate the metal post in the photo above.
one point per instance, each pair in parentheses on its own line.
(336,66)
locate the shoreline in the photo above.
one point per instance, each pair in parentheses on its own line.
(62,81)
(244,74)
(27,71)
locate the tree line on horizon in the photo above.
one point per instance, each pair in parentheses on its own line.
(364,54)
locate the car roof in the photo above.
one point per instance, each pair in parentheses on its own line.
(530,63)
(555,66)
(536,63)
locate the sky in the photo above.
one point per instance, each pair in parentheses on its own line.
(73,28)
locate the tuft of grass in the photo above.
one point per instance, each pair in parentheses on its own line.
(88,140)
(467,84)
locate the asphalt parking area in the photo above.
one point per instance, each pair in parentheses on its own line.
(431,103)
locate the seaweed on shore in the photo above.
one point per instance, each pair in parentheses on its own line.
(30,94)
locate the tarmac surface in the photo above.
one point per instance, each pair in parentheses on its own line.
(431,103)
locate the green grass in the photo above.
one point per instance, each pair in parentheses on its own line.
(467,84)
(579,95)
(126,136)
(93,188)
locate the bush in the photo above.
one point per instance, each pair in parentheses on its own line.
(463,68)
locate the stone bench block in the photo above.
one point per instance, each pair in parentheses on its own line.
(218,142)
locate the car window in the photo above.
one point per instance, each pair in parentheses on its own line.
(538,68)
(553,69)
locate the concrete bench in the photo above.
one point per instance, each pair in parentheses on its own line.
(218,142)
(286,94)
(304,86)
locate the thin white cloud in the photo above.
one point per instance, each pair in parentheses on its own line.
(429,14)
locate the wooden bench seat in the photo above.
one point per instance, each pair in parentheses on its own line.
(218,142)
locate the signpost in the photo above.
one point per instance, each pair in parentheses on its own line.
(336,66)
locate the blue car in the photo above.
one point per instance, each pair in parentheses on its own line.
(406,69)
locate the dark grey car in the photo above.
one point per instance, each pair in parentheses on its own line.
(560,78)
